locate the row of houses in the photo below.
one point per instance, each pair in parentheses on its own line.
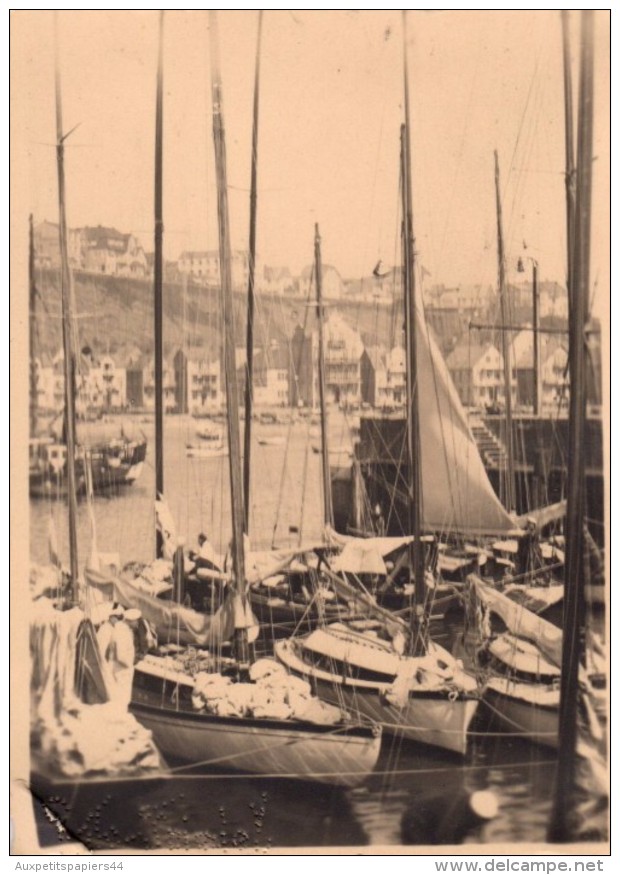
(286,374)
(477,372)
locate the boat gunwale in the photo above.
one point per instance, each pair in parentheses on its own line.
(368,686)
(364,729)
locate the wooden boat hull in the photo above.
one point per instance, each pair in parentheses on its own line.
(112,466)
(536,721)
(281,618)
(431,718)
(198,452)
(341,755)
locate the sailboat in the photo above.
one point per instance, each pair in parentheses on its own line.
(522,668)
(248,716)
(392,671)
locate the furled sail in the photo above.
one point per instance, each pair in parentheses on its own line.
(174,622)
(456,493)
(520,621)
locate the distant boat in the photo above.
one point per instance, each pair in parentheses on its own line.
(342,450)
(114,463)
(208,451)
(273,441)
(210,444)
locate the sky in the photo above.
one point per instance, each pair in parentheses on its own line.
(331,105)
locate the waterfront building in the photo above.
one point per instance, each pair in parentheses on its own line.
(197,382)
(382,375)
(343,352)
(478,374)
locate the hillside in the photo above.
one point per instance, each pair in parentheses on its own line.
(115,312)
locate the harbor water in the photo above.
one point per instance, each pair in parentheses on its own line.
(202,809)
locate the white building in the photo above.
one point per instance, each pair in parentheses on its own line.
(204,388)
(169,385)
(203,266)
(478,375)
(271,377)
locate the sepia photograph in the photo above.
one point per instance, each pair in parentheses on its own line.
(310,341)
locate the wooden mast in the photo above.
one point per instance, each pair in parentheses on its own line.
(413,411)
(158,280)
(249,345)
(574,603)
(226,303)
(68,339)
(32,327)
(509,496)
(569,150)
(328,510)
(536,326)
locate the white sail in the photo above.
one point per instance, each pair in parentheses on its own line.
(456,492)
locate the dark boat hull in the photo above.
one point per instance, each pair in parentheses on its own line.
(112,466)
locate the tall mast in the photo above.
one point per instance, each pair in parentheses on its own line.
(68,339)
(158,271)
(328,510)
(226,303)
(509,497)
(569,156)
(537,339)
(413,409)
(249,344)
(158,274)
(574,604)
(32,327)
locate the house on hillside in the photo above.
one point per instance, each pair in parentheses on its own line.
(461,297)
(332,285)
(108,251)
(276,281)
(47,246)
(478,374)
(203,266)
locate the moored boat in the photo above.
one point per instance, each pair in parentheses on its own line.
(427,699)
(340,753)
(114,463)
(236,714)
